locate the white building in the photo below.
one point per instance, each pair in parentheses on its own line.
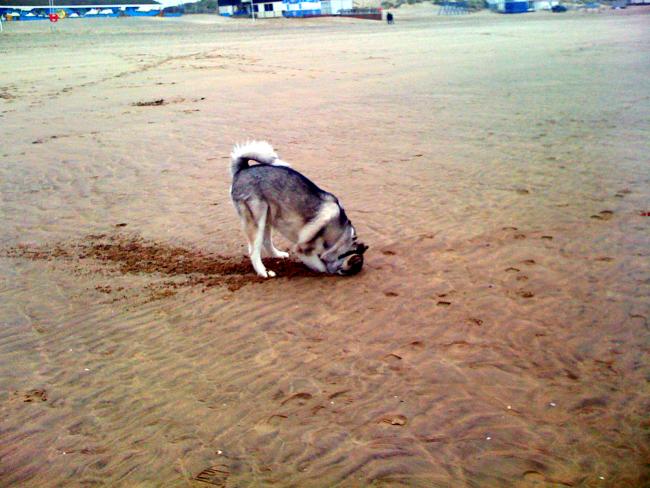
(262,8)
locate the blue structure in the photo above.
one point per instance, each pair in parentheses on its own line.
(511,6)
(516,7)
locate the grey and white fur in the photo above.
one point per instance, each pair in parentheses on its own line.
(272,196)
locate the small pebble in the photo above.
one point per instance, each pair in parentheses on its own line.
(488,438)
(552,404)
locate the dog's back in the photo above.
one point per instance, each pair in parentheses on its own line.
(281,187)
(273,181)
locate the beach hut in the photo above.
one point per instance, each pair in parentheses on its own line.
(268,9)
(261,8)
(298,8)
(292,8)
(227,8)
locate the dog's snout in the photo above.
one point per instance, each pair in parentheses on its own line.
(353,264)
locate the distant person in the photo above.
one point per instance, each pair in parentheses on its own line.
(389,18)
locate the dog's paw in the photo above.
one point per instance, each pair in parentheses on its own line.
(271,274)
(263,272)
(281,254)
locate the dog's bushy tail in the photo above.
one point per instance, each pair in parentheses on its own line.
(260,151)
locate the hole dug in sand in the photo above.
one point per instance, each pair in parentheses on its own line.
(181,267)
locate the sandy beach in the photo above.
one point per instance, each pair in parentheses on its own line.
(498,336)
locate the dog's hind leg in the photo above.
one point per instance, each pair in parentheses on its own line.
(247,223)
(268,242)
(260,212)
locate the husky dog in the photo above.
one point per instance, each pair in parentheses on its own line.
(271,195)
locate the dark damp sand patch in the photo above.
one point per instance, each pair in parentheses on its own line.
(150,103)
(161,101)
(603,215)
(181,267)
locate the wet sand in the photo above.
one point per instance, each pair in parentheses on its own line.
(498,336)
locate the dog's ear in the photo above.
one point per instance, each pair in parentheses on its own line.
(361,248)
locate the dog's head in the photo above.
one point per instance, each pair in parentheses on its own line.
(345,257)
(352,260)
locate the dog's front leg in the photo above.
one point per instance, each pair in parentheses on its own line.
(312,261)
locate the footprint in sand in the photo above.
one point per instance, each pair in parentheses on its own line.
(300,398)
(338,394)
(404,352)
(536,478)
(394,419)
(603,215)
(214,475)
(35,395)
(392,357)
